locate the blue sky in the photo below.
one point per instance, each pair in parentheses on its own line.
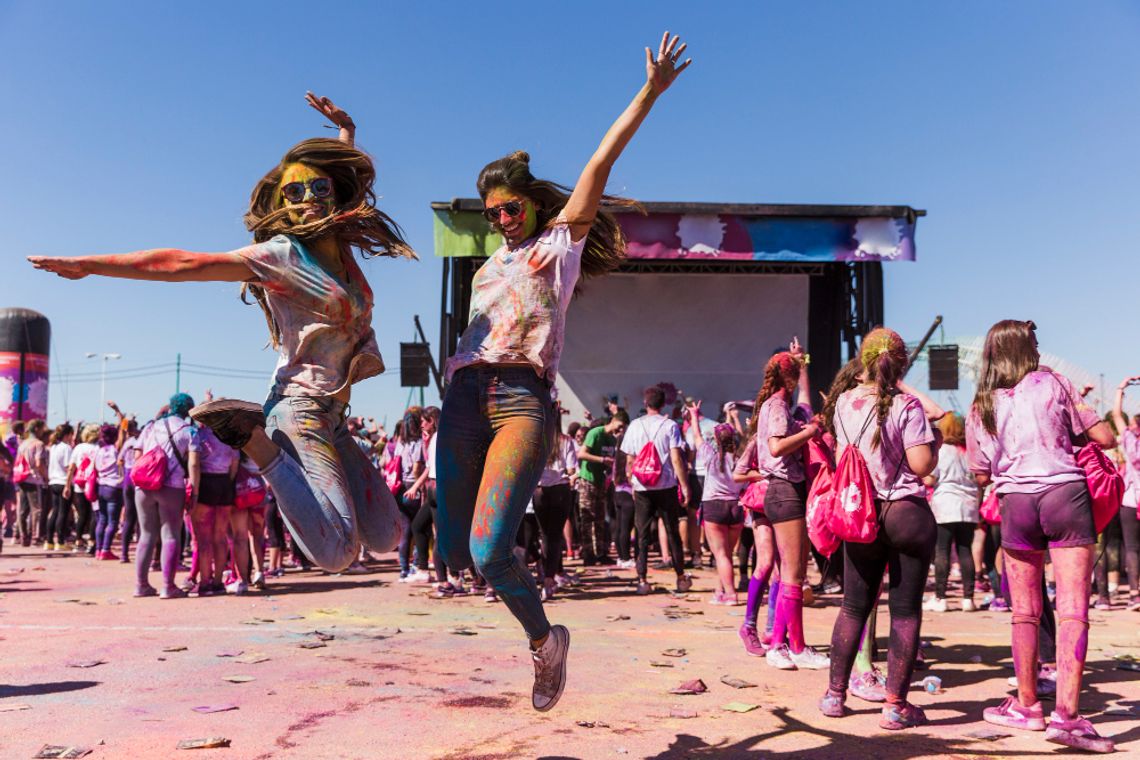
(138,125)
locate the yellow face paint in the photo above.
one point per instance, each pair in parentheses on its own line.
(310,208)
(514,228)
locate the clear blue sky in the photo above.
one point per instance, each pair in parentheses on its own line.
(138,125)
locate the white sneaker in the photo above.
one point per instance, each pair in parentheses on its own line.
(809,659)
(420,576)
(644,589)
(684,583)
(934,604)
(237,588)
(627,564)
(780,658)
(1046,682)
(969,606)
(550,669)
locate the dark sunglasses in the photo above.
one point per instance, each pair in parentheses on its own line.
(294,192)
(513,209)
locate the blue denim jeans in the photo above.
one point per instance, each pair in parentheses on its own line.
(496,429)
(328,493)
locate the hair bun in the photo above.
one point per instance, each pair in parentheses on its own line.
(520,155)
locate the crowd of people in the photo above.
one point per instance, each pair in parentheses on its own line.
(490,493)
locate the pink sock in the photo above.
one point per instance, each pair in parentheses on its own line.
(791,611)
(780,626)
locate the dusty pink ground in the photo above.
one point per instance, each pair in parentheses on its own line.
(396,682)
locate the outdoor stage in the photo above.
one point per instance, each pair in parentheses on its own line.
(708,293)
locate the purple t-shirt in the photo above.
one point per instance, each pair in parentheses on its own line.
(215,457)
(409,453)
(1036,421)
(107,467)
(719,484)
(905,427)
(774,420)
(181,434)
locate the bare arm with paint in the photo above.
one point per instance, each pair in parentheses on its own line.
(660,73)
(159,264)
(1118,417)
(336,115)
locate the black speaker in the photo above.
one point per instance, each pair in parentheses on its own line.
(415,365)
(943,362)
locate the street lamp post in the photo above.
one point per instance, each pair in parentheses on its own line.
(103,383)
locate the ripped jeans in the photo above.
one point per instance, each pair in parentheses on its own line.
(329,494)
(496,429)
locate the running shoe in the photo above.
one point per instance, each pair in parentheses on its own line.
(1103,604)
(142,591)
(780,658)
(420,576)
(644,589)
(626,564)
(906,715)
(869,686)
(1133,603)
(258,581)
(832,705)
(1077,733)
(547,591)
(1011,714)
(490,596)
(550,668)
(356,568)
(999,605)
(1046,682)
(48,546)
(231,420)
(684,583)
(238,588)
(934,604)
(809,659)
(716,598)
(663,565)
(751,641)
(968,605)
(172,592)
(109,556)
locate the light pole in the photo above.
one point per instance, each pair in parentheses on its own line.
(103,383)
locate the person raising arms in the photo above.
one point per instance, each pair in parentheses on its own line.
(498,421)
(307,215)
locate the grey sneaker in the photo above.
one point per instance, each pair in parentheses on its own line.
(684,583)
(550,669)
(809,659)
(644,589)
(231,420)
(780,658)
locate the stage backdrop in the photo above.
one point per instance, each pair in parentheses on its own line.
(708,335)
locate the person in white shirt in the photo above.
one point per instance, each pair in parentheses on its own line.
(655,488)
(59,459)
(955,505)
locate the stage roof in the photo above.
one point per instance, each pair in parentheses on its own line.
(720,231)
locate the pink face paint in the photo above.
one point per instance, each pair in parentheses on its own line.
(514,229)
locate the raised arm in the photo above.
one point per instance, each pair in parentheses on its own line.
(1118,417)
(336,115)
(161,264)
(660,73)
(804,386)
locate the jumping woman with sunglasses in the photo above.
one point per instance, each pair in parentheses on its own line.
(307,215)
(498,421)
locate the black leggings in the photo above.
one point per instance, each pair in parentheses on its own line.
(274,525)
(59,521)
(130,520)
(649,505)
(1130,527)
(905,544)
(623,505)
(960,534)
(421,532)
(83,512)
(1108,557)
(552,506)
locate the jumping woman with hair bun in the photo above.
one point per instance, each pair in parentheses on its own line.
(1021,434)
(892,431)
(498,422)
(308,215)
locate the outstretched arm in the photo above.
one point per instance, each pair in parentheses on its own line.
(162,264)
(660,73)
(1118,417)
(336,115)
(804,387)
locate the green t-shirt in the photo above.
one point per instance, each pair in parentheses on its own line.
(601,444)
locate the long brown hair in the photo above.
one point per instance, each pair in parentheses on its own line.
(1008,355)
(781,373)
(355,220)
(605,243)
(884,358)
(848,376)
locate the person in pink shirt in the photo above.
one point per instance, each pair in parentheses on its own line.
(1130,447)
(892,431)
(1021,434)
(779,458)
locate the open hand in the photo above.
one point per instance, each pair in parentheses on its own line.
(331,111)
(795,349)
(660,72)
(71,269)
